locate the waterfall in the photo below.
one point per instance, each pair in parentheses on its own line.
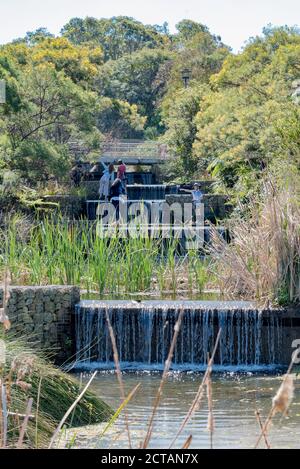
(144,333)
(146,192)
(140,178)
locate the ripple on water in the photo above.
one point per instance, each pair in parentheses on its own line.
(235,399)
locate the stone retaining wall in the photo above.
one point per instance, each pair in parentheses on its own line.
(70,206)
(216,207)
(43,316)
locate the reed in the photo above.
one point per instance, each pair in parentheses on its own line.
(55,251)
(263,260)
(119,374)
(200,393)
(280,403)
(210,419)
(163,379)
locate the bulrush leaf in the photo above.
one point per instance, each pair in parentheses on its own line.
(284,396)
(23,385)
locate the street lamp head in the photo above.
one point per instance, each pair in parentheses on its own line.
(186,75)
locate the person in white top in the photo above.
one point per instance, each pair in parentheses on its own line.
(197,195)
(197,198)
(106,182)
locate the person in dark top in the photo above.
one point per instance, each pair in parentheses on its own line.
(76,174)
(121,173)
(116,191)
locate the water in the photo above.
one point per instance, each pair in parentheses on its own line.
(181,295)
(144,331)
(140,178)
(150,208)
(146,192)
(235,399)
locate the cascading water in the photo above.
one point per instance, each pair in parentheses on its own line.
(140,178)
(144,333)
(146,192)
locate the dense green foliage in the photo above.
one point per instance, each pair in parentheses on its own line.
(243,123)
(122,79)
(117,36)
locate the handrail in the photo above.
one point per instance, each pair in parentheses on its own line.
(126,149)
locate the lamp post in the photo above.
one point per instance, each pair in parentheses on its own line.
(296,92)
(186,75)
(2,92)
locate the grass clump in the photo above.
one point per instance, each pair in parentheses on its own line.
(26,375)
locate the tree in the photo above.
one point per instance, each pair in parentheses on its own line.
(118,119)
(80,63)
(187,29)
(182,129)
(237,128)
(132,78)
(34,37)
(117,36)
(200,52)
(53,110)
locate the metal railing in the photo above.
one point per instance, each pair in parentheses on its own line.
(134,149)
(124,149)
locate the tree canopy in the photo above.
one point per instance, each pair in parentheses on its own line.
(116,36)
(119,78)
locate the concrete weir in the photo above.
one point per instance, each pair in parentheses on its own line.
(250,338)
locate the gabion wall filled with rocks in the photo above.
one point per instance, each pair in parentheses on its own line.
(43,317)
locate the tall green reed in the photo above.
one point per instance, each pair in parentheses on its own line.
(57,251)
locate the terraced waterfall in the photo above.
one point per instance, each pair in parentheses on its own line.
(250,337)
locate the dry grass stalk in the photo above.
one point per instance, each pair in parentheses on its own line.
(210,419)
(25,423)
(37,411)
(17,414)
(280,403)
(200,393)
(257,414)
(4,415)
(188,442)
(117,413)
(163,379)
(263,259)
(284,396)
(119,374)
(6,296)
(69,411)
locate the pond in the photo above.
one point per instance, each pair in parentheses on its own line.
(235,399)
